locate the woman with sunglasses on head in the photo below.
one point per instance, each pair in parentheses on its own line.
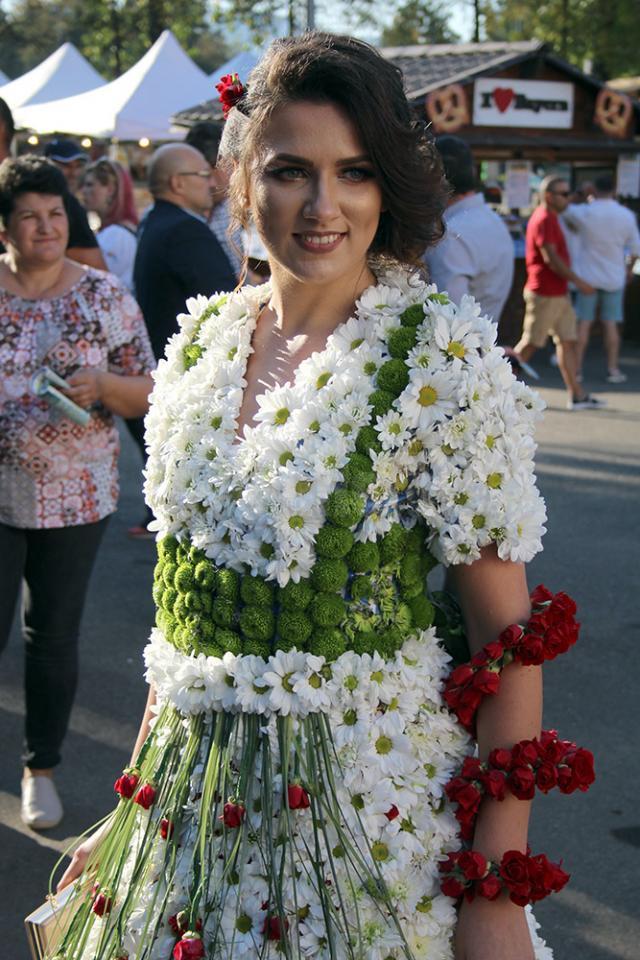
(317,445)
(107,190)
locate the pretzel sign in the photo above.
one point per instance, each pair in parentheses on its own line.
(447,108)
(613,112)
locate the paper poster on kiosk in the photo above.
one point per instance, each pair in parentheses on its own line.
(508,102)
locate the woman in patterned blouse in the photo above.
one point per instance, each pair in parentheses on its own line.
(58,479)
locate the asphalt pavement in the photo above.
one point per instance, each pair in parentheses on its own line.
(588,467)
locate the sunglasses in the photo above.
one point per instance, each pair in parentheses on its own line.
(562,193)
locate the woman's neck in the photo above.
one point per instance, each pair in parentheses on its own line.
(39,280)
(314,309)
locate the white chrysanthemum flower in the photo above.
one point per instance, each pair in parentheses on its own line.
(393,431)
(280,675)
(429,397)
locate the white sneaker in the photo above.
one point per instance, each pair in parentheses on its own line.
(41,806)
(616,376)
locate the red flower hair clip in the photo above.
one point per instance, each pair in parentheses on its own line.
(231,89)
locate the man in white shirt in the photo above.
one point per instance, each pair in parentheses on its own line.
(608,234)
(476,254)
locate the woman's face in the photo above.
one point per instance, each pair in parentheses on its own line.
(97,196)
(38,228)
(313,194)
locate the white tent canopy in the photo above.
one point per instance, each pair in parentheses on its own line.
(138,104)
(64,73)
(3,77)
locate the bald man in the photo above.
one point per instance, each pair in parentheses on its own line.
(178,256)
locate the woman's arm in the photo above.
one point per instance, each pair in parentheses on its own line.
(87,848)
(125,396)
(493,594)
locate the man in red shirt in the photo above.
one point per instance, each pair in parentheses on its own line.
(548,310)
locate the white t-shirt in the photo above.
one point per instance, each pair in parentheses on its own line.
(118,246)
(608,231)
(475,256)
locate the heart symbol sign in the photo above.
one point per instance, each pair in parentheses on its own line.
(503,97)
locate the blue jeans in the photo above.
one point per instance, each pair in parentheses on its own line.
(54,567)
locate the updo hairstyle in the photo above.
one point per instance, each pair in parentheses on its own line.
(324,68)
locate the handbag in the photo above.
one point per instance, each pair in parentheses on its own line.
(47,924)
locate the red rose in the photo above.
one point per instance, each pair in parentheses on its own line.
(166,828)
(546,777)
(540,595)
(530,653)
(514,870)
(487,682)
(494,783)
(511,636)
(494,650)
(466,715)
(190,947)
(552,749)
(145,796)
(462,675)
(233,814)
(102,904)
(272,928)
(500,758)
(392,813)
(522,783)
(465,794)
(466,819)
(525,753)
(565,780)
(563,606)
(489,887)
(473,865)
(539,622)
(297,797)
(451,887)
(472,768)
(559,638)
(126,784)
(581,766)
(230,89)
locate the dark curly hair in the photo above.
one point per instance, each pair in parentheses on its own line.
(28,174)
(322,67)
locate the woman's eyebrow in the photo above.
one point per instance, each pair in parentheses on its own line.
(304,161)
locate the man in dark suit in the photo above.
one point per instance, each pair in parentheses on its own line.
(178,256)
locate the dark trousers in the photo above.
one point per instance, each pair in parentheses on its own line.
(54,567)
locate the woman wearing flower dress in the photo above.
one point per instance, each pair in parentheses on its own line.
(289,798)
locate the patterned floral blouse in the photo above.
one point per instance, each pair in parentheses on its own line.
(53,472)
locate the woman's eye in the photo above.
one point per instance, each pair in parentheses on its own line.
(288,173)
(357,174)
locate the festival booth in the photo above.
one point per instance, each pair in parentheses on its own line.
(525,113)
(64,73)
(135,107)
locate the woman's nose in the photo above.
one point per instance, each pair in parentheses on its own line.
(322,202)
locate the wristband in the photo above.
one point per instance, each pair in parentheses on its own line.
(524,878)
(550,630)
(544,763)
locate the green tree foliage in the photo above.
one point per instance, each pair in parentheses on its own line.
(112,34)
(602,33)
(419,21)
(269,18)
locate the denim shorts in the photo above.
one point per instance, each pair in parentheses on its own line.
(610,305)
